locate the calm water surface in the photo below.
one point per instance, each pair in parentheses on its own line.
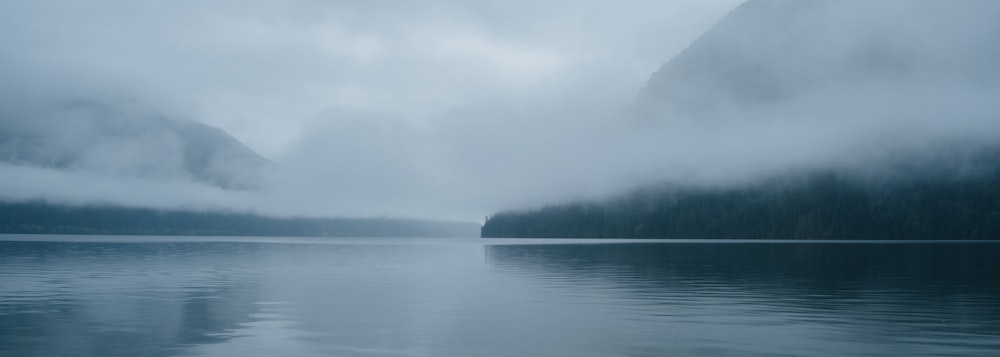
(155,296)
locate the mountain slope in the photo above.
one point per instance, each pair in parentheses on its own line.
(122,139)
(920,78)
(771,52)
(824,206)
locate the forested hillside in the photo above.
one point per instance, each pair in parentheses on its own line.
(42,218)
(855,87)
(823,207)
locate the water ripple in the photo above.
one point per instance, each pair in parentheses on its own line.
(125,297)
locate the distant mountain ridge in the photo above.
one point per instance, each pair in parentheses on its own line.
(42,218)
(123,139)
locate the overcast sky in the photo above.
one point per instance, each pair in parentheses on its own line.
(456,109)
(375,106)
(268,70)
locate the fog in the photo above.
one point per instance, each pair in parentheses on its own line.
(456,109)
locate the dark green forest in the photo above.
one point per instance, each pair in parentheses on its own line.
(44,218)
(821,206)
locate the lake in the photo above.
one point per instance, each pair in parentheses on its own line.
(211,296)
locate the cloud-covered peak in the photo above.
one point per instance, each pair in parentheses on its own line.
(770,52)
(122,139)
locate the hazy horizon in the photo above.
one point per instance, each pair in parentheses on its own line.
(456,109)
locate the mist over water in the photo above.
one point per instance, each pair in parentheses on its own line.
(456,110)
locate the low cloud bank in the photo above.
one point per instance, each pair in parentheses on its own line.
(492,120)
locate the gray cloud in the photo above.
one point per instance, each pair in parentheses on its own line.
(261,69)
(455,109)
(376,107)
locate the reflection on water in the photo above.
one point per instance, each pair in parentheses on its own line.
(90,299)
(796,299)
(108,296)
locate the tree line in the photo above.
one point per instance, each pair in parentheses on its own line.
(821,206)
(44,218)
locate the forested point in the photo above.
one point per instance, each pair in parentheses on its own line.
(44,218)
(823,206)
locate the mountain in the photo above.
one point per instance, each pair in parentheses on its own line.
(922,67)
(769,53)
(118,138)
(122,139)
